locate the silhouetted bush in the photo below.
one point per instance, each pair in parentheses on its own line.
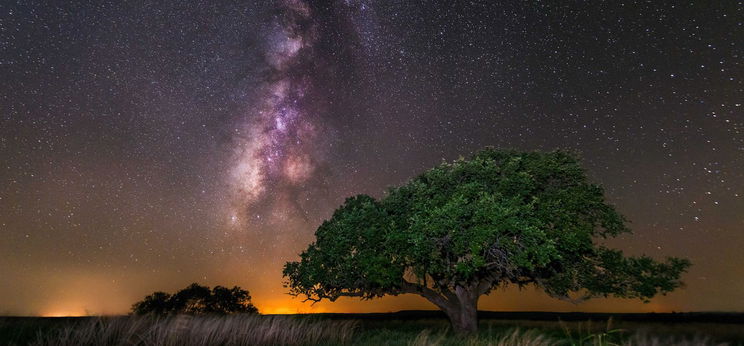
(197,299)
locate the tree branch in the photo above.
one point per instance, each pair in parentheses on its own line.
(428,293)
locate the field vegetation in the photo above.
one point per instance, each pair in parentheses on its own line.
(252,329)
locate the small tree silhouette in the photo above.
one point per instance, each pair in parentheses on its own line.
(197,299)
(230,300)
(156,303)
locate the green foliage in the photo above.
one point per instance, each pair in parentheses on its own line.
(196,299)
(498,218)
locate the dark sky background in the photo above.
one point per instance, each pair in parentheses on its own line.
(145,145)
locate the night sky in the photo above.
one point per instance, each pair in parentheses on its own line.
(145,145)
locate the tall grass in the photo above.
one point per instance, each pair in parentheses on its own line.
(585,335)
(514,337)
(200,330)
(588,335)
(314,330)
(648,340)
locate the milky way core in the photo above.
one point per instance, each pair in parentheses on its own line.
(276,144)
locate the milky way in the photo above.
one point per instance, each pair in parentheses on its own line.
(279,142)
(276,144)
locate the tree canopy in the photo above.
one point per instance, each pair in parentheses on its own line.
(196,299)
(461,229)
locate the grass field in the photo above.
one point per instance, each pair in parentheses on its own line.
(420,328)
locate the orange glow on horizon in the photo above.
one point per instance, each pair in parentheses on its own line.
(64,313)
(284,307)
(82,294)
(280,310)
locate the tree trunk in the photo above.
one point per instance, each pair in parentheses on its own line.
(463,313)
(460,306)
(464,319)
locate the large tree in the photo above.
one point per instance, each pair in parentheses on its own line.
(461,229)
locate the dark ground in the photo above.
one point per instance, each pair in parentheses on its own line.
(675,317)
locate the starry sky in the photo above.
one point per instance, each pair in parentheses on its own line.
(145,145)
